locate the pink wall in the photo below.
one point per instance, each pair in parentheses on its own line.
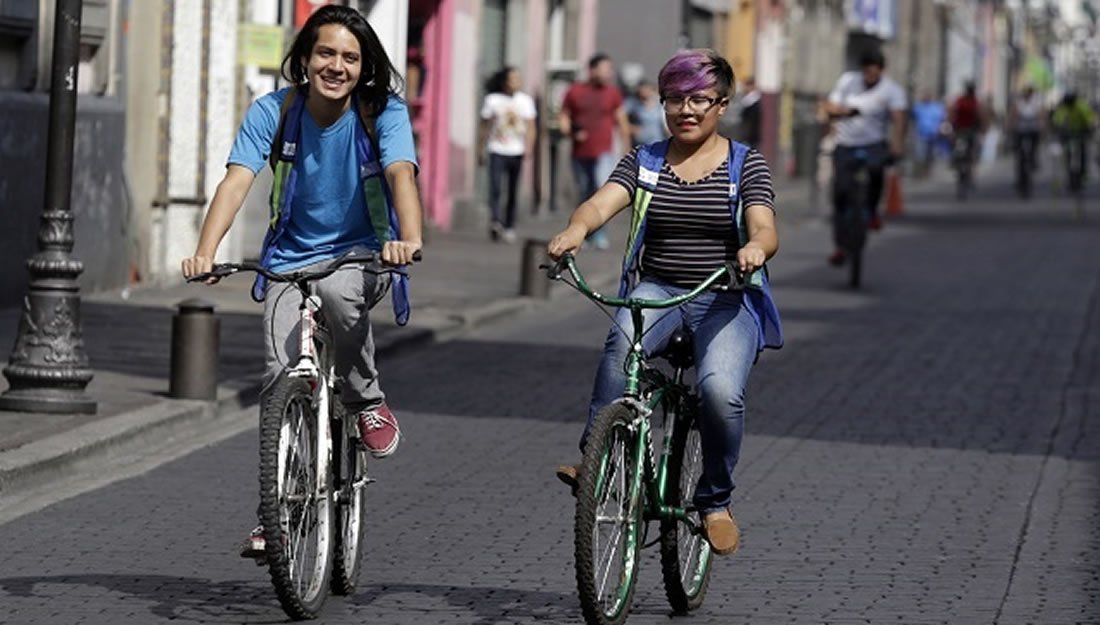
(430,114)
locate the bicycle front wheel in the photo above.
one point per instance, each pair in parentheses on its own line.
(351,489)
(607,538)
(685,553)
(296,497)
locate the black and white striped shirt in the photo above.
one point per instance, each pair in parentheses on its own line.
(689,230)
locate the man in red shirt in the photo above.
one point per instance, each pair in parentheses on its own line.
(589,114)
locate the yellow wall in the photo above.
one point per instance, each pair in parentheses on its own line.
(741,39)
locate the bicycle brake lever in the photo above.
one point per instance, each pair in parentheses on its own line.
(736,277)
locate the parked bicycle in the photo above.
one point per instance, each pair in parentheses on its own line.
(623,485)
(313,469)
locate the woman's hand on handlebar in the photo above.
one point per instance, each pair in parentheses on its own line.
(568,240)
(197,265)
(400,252)
(750,258)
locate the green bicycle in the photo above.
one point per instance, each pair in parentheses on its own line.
(623,486)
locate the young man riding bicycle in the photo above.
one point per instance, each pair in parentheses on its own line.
(685,225)
(340,142)
(869,109)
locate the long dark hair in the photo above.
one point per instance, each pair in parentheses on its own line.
(495,84)
(378,79)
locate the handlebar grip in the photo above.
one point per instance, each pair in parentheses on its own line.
(417,256)
(217,271)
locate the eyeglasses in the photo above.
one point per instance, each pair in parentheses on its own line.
(695,103)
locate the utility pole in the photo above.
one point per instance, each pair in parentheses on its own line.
(48,369)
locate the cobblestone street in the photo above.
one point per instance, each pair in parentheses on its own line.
(926,450)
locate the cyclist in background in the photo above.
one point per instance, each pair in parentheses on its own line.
(1074,120)
(967,122)
(1026,123)
(870,111)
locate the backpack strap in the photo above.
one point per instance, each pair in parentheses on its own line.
(278,147)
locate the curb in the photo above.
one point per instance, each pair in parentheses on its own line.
(29,469)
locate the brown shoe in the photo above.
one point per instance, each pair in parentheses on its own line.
(569,474)
(722,532)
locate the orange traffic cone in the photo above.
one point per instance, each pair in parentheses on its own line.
(894,202)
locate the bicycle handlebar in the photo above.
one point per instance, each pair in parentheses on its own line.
(370,262)
(568,262)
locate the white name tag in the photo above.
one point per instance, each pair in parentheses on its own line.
(649,177)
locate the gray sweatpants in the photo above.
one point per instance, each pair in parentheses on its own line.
(346,299)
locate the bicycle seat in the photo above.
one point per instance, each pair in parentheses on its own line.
(680,352)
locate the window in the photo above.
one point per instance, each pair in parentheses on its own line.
(26,41)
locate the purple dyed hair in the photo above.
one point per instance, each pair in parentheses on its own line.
(692,71)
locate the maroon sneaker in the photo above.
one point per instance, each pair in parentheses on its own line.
(837,258)
(378,430)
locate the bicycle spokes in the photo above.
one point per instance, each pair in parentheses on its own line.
(692,551)
(614,532)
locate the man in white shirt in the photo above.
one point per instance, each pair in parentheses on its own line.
(870,111)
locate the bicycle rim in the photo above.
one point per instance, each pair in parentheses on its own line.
(608,519)
(685,554)
(351,511)
(295,499)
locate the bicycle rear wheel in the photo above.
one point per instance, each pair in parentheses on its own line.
(296,497)
(351,509)
(608,520)
(685,554)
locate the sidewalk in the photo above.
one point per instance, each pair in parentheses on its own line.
(464,282)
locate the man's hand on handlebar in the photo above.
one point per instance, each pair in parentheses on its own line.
(197,265)
(400,252)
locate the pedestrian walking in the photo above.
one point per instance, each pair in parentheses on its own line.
(590,113)
(750,114)
(647,118)
(929,115)
(507,136)
(341,144)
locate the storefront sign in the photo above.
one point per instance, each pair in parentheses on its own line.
(260,45)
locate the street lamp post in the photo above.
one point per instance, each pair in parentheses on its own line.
(48,369)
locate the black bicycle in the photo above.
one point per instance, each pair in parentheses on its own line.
(313,468)
(962,159)
(851,220)
(1073,146)
(1026,147)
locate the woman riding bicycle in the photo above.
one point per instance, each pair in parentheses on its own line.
(345,168)
(687,232)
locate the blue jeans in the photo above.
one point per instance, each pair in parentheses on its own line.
(590,174)
(726,339)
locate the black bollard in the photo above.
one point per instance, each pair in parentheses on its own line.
(194,372)
(533,281)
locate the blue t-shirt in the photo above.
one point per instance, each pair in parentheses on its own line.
(328,214)
(928,117)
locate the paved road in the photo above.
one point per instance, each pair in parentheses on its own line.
(924,451)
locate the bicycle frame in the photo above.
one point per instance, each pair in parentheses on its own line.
(660,391)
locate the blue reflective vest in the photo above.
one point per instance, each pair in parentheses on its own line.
(651,159)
